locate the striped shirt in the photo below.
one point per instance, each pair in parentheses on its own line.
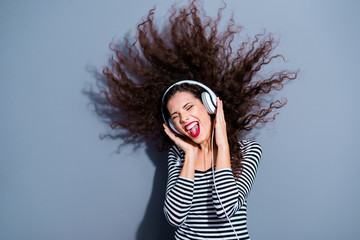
(193,205)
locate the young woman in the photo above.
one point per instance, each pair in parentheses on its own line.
(211,169)
(203,199)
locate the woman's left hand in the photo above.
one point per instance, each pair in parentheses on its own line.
(220,125)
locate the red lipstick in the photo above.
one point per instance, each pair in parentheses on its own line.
(193,128)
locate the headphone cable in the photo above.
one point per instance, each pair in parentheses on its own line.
(213,174)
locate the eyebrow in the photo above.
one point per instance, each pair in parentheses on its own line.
(182,107)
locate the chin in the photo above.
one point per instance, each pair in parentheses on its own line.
(199,139)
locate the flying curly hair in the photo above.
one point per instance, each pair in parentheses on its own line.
(190,46)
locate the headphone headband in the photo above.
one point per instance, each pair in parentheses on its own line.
(190,82)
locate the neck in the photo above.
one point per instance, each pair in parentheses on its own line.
(206,145)
(205,154)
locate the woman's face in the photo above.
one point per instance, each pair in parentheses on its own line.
(190,116)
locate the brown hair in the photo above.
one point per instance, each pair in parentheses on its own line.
(190,46)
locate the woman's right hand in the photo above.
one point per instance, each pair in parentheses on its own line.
(188,146)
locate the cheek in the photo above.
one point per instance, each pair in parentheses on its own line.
(208,121)
(205,118)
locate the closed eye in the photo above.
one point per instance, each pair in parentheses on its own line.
(187,106)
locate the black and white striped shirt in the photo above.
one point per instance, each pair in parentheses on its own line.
(193,205)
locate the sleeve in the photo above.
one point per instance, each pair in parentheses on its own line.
(231,192)
(179,190)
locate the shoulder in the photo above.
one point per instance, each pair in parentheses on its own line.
(251,148)
(176,151)
(176,155)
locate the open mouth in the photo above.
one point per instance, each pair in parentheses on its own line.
(193,129)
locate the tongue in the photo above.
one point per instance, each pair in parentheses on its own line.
(194,130)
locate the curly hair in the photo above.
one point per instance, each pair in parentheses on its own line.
(190,46)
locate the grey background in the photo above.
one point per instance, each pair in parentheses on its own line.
(58,180)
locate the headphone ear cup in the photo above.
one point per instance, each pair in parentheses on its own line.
(172,126)
(209,103)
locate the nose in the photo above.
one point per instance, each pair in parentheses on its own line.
(184,117)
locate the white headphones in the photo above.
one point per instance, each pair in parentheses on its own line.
(208,98)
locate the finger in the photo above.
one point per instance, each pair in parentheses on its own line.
(181,143)
(219,104)
(219,109)
(222,115)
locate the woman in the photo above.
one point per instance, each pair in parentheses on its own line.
(142,89)
(203,199)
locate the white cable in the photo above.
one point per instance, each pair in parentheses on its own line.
(213,174)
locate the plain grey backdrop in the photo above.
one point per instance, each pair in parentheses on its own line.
(59,180)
